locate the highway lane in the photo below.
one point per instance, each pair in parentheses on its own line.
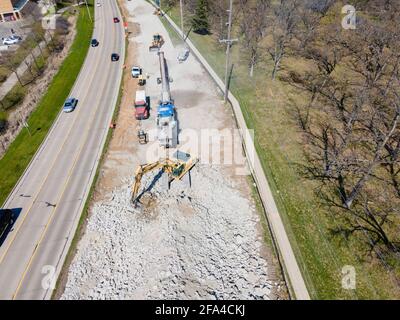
(54,188)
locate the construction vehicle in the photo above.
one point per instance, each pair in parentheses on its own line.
(157,42)
(142,80)
(167,124)
(141,105)
(176,168)
(142,136)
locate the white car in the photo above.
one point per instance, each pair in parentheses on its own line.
(183,55)
(136,71)
(98,4)
(12,40)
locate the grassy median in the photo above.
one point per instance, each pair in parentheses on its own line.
(24,147)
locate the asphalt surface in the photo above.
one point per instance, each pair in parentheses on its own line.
(54,188)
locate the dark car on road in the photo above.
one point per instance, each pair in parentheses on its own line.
(114,57)
(6,219)
(94,43)
(116,19)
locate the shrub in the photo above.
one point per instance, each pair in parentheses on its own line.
(14,97)
(3,120)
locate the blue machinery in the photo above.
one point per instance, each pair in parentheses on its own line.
(167,125)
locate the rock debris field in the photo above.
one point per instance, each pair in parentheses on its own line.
(185,243)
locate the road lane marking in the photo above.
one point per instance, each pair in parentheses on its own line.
(51,167)
(70,173)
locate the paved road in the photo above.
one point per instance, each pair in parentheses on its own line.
(53,190)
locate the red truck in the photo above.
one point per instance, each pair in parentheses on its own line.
(141,106)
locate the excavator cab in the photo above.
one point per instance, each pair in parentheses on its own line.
(142,80)
(142,137)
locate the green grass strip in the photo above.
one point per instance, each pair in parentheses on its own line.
(24,147)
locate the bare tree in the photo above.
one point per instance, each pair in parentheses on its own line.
(310,14)
(282,27)
(13,64)
(218,17)
(252,27)
(351,127)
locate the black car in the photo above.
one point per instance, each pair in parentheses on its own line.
(94,43)
(6,219)
(115,57)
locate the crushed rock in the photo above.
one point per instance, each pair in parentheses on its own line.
(190,243)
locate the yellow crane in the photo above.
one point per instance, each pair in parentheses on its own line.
(175,168)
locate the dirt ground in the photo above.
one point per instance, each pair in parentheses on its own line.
(203,241)
(124,141)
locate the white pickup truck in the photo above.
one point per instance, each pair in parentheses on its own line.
(136,71)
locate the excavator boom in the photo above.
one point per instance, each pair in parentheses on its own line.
(175,168)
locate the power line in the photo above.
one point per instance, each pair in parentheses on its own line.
(181,9)
(87,7)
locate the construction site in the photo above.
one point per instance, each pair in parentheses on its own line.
(174,213)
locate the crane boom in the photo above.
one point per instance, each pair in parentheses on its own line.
(165,89)
(167,123)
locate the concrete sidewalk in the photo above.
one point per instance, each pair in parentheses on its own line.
(12,80)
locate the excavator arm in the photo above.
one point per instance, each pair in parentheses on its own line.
(140,171)
(175,169)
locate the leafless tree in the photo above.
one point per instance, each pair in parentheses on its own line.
(282,27)
(218,17)
(310,14)
(351,127)
(253,25)
(12,64)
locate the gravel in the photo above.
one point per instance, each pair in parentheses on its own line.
(184,243)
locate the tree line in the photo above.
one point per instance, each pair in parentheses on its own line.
(351,122)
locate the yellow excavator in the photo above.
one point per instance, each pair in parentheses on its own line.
(157,42)
(175,168)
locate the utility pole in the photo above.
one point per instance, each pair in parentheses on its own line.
(181,7)
(25,124)
(228,42)
(87,7)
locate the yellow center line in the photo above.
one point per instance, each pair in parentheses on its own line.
(41,187)
(47,176)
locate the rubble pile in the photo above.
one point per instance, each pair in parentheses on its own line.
(185,243)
